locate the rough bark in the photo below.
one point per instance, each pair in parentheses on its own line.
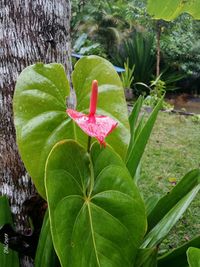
(30,31)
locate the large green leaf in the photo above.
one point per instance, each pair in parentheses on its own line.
(177,257)
(111,100)
(193,255)
(170,9)
(39,116)
(45,254)
(166,203)
(8,257)
(96,213)
(40,109)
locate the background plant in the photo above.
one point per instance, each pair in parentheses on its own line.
(138,50)
(117,21)
(127,76)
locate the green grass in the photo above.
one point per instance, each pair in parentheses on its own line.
(172,151)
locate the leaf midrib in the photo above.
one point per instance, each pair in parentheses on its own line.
(92,232)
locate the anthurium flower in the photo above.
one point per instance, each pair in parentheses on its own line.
(94,125)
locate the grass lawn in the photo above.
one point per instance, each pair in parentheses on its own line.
(173,150)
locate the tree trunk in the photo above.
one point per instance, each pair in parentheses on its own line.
(30,31)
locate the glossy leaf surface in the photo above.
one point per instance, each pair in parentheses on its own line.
(170,9)
(40,109)
(193,255)
(103,216)
(40,117)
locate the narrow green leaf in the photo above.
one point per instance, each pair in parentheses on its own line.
(159,232)
(137,174)
(133,118)
(8,257)
(177,257)
(139,144)
(151,203)
(166,203)
(45,254)
(137,132)
(103,215)
(193,256)
(139,127)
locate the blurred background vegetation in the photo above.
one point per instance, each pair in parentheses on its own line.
(122,31)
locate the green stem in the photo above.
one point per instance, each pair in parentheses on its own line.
(91,185)
(89,144)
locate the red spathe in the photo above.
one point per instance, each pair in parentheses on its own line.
(97,126)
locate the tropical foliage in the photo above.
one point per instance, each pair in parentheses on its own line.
(112,28)
(92,191)
(96,215)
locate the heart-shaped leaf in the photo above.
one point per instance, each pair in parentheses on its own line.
(96,213)
(40,109)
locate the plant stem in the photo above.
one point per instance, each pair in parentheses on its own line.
(91,182)
(89,144)
(158,35)
(91,185)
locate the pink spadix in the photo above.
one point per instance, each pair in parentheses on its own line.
(93,98)
(94,125)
